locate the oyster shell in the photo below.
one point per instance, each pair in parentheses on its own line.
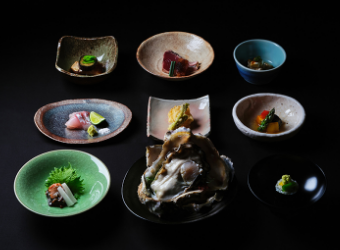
(187,175)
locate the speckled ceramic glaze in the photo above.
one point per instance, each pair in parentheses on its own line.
(189,46)
(158,109)
(71,48)
(270,52)
(287,108)
(29,183)
(51,118)
(130,197)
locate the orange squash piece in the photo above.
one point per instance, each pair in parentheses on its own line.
(273,127)
(259,119)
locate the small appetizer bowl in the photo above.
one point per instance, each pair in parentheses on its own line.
(29,183)
(269,51)
(189,46)
(71,48)
(287,108)
(263,176)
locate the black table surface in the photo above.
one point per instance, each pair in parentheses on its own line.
(29,80)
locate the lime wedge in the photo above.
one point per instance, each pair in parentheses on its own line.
(96,118)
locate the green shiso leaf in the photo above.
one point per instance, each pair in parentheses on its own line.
(69,176)
(89,59)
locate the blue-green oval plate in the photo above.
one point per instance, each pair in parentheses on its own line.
(29,183)
(51,118)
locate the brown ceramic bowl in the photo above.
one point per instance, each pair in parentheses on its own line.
(71,48)
(189,46)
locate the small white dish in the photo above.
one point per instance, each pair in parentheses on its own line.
(157,119)
(287,108)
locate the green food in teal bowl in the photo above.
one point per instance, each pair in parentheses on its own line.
(29,184)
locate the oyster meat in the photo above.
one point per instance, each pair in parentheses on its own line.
(186,173)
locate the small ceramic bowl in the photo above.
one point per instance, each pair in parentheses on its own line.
(71,48)
(29,183)
(287,108)
(189,46)
(269,51)
(264,175)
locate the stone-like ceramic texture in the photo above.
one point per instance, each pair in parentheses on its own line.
(51,118)
(71,48)
(158,109)
(29,184)
(189,46)
(131,200)
(287,108)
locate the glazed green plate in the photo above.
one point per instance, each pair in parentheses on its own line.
(29,184)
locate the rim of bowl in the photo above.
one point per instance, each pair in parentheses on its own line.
(67,215)
(161,34)
(263,40)
(259,134)
(85,38)
(276,207)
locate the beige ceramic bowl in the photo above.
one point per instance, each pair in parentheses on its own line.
(71,48)
(287,108)
(189,46)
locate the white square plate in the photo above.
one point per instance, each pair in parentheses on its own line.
(157,120)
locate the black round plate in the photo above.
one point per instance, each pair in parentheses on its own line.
(263,176)
(130,197)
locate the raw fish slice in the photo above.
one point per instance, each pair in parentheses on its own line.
(79,120)
(182,67)
(73,123)
(86,116)
(167,58)
(84,121)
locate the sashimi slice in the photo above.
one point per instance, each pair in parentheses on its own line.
(73,123)
(79,120)
(182,67)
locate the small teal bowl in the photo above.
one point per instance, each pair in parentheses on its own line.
(270,52)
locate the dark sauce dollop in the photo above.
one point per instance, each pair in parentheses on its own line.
(55,202)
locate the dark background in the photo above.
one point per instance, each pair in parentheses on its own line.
(29,80)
